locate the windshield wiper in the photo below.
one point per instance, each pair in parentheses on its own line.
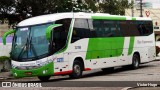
(23,49)
(33,49)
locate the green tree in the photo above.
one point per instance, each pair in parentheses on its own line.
(92,5)
(40,7)
(116,7)
(6,8)
(22,9)
(29,8)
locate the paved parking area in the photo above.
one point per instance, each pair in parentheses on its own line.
(149,73)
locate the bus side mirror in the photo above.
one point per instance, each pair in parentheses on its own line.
(49,30)
(6,34)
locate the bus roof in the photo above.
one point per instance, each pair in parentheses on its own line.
(56,16)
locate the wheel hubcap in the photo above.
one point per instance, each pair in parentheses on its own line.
(136,62)
(77,69)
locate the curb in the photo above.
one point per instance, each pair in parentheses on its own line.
(126,88)
(6,75)
(5,78)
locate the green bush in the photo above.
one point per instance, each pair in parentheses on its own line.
(2,60)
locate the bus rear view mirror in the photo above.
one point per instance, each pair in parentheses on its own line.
(49,30)
(6,34)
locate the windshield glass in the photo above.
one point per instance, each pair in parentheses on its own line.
(30,43)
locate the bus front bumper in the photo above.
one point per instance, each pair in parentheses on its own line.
(46,70)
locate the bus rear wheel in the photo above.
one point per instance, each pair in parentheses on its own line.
(43,78)
(77,70)
(135,61)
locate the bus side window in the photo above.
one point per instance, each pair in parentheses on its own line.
(124,27)
(106,28)
(93,33)
(149,27)
(80,30)
(144,27)
(133,28)
(114,29)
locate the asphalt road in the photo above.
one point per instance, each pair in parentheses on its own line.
(118,79)
(147,72)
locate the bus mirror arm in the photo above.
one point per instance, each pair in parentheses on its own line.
(6,34)
(49,30)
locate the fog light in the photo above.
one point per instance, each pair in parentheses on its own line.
(15,74)
(44,71)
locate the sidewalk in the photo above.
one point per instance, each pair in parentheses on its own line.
(5,75)
(144,88)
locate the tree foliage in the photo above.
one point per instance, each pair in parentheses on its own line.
(40,7)
(115,7)
(17,10)
(6,8)
(92,5)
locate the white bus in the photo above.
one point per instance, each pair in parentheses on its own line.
(70,43)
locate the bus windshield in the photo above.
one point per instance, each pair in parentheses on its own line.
(30,43)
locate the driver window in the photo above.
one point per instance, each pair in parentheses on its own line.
(59,34)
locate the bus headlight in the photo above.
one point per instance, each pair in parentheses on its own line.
(44,71)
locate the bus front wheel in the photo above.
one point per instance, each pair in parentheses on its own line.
(77,70)
(135,61)
(43,78)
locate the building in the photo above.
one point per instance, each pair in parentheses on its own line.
(5,49)
(150,8)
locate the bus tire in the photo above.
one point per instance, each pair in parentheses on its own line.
(43,78)
(76,70)
(135,61)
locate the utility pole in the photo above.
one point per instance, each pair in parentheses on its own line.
(141,15)
(132,8)
(132,12)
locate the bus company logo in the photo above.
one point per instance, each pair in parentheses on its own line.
(144,42)
(60,60)
(6,84)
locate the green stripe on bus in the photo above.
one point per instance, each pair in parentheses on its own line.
(109,17)
(104,47)
(133,18)
(131,45)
